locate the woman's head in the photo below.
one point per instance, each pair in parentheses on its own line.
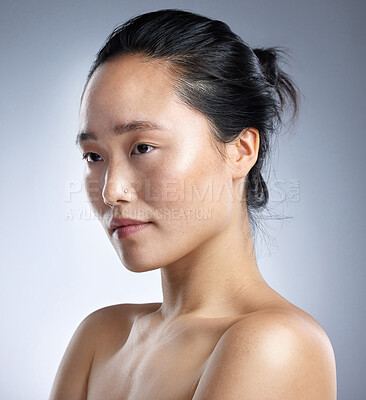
(227,89)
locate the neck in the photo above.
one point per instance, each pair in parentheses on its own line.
(214,279)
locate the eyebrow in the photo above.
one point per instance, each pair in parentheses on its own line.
(131,126)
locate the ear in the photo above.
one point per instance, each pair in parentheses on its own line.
(243,152)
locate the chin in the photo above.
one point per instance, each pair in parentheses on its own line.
(138,266)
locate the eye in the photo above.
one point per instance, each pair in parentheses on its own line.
(85,156)
(92,157)
(143,147)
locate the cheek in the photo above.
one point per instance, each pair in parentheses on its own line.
(195,214)
(93,186)
(190,196)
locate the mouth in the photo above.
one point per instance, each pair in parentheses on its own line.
(122,232)
(117,223)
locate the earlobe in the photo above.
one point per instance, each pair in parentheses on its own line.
(246,151)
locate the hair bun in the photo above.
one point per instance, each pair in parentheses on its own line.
(268,60)
(288,93)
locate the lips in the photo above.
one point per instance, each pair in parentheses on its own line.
(119,222)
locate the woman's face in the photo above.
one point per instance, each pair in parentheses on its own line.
(174,176)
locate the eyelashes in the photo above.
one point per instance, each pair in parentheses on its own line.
(86,155)
(142,144)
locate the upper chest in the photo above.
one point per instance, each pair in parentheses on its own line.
(156,362)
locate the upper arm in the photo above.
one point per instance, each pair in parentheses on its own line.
(72,374)
(274,359)
(99,329)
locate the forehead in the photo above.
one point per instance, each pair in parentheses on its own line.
(128,83)
(131,88)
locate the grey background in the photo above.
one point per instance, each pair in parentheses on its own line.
(58,266)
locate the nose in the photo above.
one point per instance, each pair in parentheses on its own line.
(115,191)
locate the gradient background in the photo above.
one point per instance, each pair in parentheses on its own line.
(57,263)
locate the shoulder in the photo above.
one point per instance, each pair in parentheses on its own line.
(278,354)
(109,326)
(98,331)
(119,315)
(109,321)
(110,314)
(272,331)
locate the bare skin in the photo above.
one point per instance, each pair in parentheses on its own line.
(221,331)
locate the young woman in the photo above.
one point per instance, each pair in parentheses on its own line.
(176,119)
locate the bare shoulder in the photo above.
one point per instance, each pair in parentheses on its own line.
(277,353)
(94,335)
(107,328)
(117,315)
(123,310)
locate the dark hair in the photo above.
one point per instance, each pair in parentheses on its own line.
(216,73)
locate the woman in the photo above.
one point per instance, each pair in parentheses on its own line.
(176,119)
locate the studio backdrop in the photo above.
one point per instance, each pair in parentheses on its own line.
(57,263)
